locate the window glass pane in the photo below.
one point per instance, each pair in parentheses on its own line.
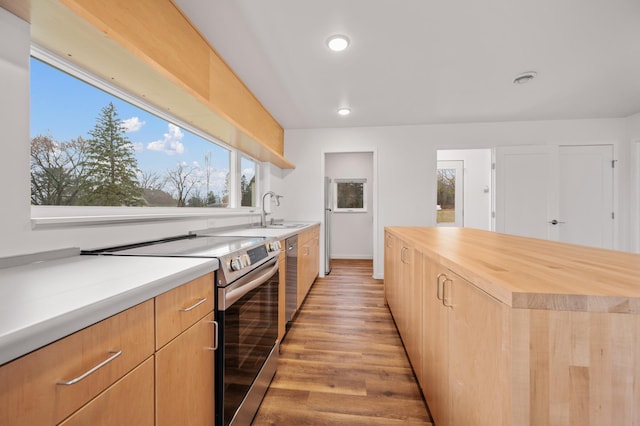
(89,147)
(350,195)
(446,196)
(247,182)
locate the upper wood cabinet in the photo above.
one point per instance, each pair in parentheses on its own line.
(150,49)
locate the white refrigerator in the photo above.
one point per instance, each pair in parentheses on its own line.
(328,202)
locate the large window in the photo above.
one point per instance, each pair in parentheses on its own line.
(91,148)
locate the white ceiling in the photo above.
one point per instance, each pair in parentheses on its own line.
(429,61)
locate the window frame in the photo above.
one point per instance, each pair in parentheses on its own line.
(88,215)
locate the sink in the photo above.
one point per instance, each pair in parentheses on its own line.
(285,225)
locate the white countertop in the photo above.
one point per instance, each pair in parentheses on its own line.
(43,301)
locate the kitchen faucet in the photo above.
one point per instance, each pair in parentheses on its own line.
(263,212)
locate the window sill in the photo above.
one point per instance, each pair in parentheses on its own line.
(53,216)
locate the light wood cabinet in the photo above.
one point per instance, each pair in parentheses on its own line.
(308,260)
(523,332)
(404,295)
(479,355)
(178,309)
(185,335)
(435,344)
(137,367)
(89,361)
(185,377)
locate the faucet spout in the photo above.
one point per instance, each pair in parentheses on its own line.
(263,212)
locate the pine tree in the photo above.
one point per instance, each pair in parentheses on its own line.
(111,165)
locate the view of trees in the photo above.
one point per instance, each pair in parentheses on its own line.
(350,195)
(103,171)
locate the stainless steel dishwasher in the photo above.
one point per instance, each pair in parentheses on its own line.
(291,277)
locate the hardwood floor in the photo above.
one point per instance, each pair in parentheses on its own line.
(342,361)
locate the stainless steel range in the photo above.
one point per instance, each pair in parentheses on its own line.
(246,313)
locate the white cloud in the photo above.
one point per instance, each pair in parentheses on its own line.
(138,146)
(132,124)
(171,144)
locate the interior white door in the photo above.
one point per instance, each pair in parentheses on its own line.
(586,195)
(527,191)
(558,193)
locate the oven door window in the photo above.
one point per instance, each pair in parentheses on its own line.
(250,333)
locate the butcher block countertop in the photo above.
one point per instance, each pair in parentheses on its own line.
(532,273)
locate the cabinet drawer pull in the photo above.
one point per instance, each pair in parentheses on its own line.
(115,355)
(195,305)
(215,336)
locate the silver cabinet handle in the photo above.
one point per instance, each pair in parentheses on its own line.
(198,303)
(554,222)
(440,275)
(115,355)
(215,336)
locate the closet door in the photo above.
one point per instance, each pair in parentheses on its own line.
(560,193)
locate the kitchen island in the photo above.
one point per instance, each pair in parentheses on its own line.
(505,330)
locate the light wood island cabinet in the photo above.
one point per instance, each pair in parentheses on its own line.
(403,291)
(518,331)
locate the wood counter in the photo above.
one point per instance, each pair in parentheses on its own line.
(532,273)
(505,330)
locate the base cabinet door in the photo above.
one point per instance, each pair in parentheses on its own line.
(435,344)
(185,377)
(479,353)
(466,351)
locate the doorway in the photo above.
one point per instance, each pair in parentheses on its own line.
(464,188)
(350,227)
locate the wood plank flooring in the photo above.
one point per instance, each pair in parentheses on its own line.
(342,361)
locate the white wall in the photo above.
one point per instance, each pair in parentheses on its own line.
(477,179)
(407,161)
(352,233)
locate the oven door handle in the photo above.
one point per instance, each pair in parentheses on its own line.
(243,288)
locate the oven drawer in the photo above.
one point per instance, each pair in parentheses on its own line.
(45,386)
(178,309)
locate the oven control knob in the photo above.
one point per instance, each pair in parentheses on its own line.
(246,260)
(277,245)
(234,264)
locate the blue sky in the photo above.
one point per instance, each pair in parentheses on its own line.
(64,108)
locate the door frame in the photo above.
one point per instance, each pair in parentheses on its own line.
(377,266)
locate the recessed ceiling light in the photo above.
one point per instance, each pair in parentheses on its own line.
(344,111)
(525,77)
(338,43)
